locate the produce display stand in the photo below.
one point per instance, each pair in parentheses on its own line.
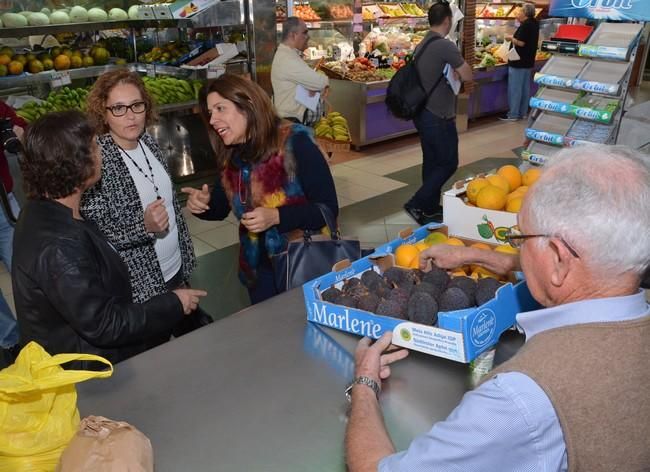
(583,90)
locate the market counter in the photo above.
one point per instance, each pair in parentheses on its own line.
(262,390)
(363,106)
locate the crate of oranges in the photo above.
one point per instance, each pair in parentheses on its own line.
(485,207)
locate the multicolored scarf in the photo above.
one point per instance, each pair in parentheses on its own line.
(271,183)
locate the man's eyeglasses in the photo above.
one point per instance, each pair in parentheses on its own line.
(515,239)
(120,110)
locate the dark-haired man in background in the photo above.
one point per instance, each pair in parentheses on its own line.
(436,123)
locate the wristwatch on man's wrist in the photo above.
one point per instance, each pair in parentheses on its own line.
(362,380)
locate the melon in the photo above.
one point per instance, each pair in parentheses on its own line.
(117,14)
(97,14)
(39,19)
(78,14)
(14,20)
(26,14)
(59,18)
(133,12)
(47,11)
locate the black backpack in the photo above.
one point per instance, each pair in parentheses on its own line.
(406,96)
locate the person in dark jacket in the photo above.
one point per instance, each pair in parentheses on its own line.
(273,177)
(71,288)
(524,40)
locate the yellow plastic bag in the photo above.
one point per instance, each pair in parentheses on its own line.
(38,407)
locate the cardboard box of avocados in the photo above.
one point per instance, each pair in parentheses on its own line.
(478,224)
(460,335)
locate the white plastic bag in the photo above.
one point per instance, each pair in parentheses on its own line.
(502,51)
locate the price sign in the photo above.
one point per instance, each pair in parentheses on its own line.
(151,70)
(215,71)
(60,78)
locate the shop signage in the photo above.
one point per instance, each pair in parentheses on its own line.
(617,10)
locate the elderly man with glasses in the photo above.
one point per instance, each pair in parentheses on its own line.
(289,70)
(575,397)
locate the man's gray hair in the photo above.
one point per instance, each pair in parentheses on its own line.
(529,10)
(291,25)
(597,198)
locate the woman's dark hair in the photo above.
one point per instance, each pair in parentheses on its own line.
(262,138)
(59,155)
(438,12)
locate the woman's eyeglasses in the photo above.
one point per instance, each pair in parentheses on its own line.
(120,110)
(516,239)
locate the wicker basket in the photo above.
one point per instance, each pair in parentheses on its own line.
(330,146)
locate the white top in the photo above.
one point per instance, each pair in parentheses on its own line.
(167,247)
(287,72)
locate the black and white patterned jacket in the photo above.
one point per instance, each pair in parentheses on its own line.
(115,207)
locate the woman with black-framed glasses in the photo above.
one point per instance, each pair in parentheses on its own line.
(135,204)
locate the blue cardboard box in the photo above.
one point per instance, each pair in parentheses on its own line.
(460,335)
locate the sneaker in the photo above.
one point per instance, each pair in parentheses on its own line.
(507,118)
(422,218)
(414,213)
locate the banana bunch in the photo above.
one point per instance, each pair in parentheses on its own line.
(62,99)
(333,126)
(166,90)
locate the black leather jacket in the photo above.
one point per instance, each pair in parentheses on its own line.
(72,290)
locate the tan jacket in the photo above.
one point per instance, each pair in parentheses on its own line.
(287,71)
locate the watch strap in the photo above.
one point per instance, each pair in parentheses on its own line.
(362,380)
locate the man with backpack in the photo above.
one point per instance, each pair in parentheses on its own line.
(436,121)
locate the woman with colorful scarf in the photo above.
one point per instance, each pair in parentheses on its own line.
(272,178)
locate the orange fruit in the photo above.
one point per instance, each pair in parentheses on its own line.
(506,249)
(459,272)
(531,176)
(415,263)
(492,198)
(48,64)
(76,62)
(499,181)
(35,66)
(15,68)
(481,246)
(514,204)
(421,246)
(405,254)
(20,58)
(62,62)
(474,187)
(482,272)
(454,242)
(88,61)
(5,59)
(512,175)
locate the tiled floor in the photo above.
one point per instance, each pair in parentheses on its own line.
(371,186)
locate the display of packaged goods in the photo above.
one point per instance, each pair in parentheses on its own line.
(460,334)
(550,128)
(574,103)
(588,131)
(601,77)
(306,13)
(539,153)
(611,41)
(560,71)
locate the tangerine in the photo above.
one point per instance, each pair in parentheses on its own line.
(15,68)
(62,62)
(4,59)
(35,66)
(512,175)
(454,242)
(474,187)
(481,246)
(76,62)
(499,181)
(492,198)
(405,254)
(514,204)
(531,176)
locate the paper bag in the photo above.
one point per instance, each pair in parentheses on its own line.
(502,51)
(104,445)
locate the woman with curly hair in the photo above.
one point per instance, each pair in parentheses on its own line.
(71,288)
(135,204)
(273,178)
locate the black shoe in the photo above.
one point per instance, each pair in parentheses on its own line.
(422,218)
(507,118)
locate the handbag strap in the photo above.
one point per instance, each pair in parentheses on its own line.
(329,220)
(58,379)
